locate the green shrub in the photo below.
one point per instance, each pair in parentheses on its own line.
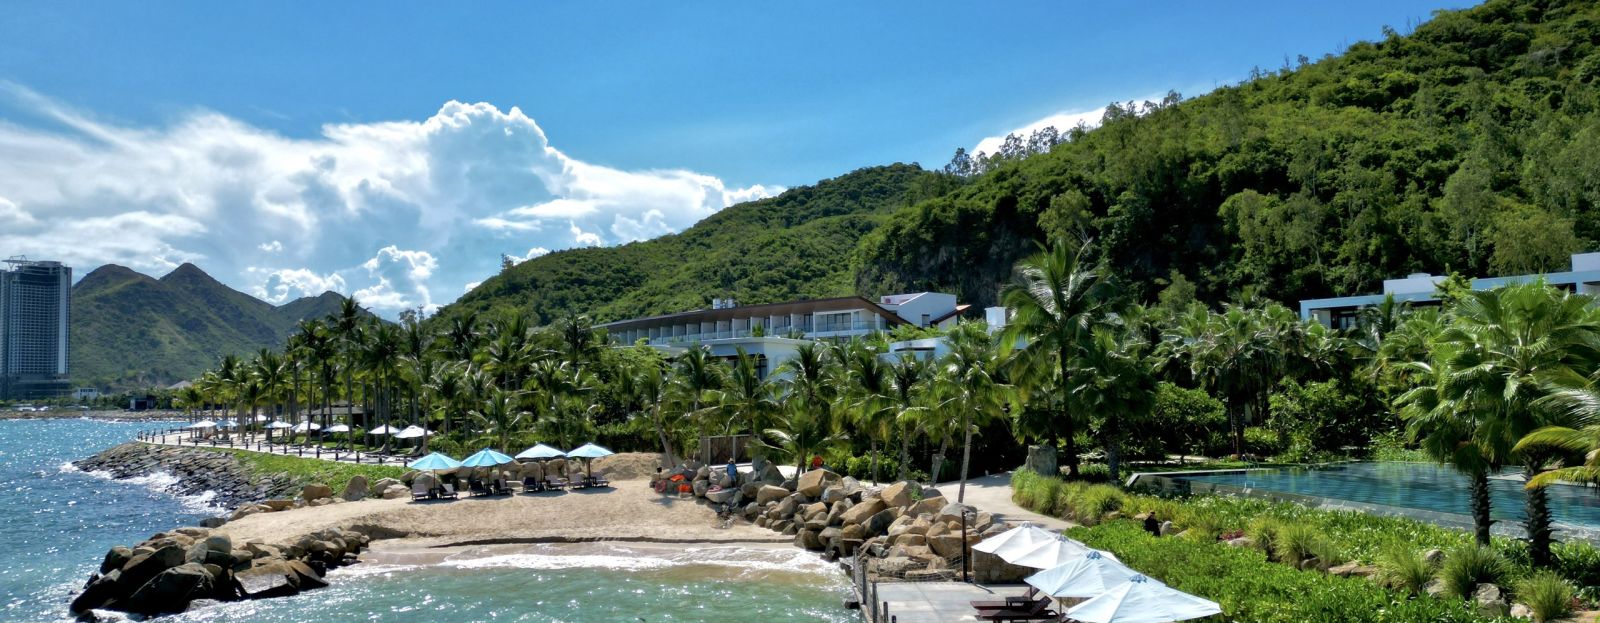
(1578,561)
(1091,503)
(1263,533)
(1468,566)
(1297,542)
(1200,524)
(1261,441)
(1546,594)
(1403,567)
(1093,473)
(1252,590)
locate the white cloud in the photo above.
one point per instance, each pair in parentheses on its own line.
(1061,121)
(471,286)
(284,285)
(532,253)
(395,211)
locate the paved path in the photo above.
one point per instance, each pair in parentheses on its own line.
(992,494)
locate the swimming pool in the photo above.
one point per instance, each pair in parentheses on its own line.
(1420,490)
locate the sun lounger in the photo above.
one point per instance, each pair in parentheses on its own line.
(555,482)
(1024,600)
(599,480)
(476,487)
(447,491)
(532,485)
(420,491)
(498,486)
(1038,611)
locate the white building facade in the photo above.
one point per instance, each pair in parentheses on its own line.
(1418,289)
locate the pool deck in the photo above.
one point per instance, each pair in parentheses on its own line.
(938,602)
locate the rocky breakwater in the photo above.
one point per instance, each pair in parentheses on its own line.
(902,530)
(196,471)
(172,571)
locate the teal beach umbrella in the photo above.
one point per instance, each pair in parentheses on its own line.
(434,462)
(486,458)
(588,452)
(541,451)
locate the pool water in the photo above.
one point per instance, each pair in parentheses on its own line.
(1421,490)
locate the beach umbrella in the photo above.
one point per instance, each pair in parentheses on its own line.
(383,430)
(486,458)
(279,425)
(434,462)
(541,452)
(307,426)
(1083,577)
(411,432)
(1142,600)
(338,428)
(203,424)
(226,424)
(261,418)
(588,452)
(1019,539)
(1051,554)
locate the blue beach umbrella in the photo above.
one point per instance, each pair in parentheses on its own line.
(588,452)
(434,462)
(486,458)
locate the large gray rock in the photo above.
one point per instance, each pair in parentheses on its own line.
(356,489)
(953,512)
(832,494)
(385,483)
(145,567)
(102,590)
(879,522)
(900,493)
(860,512)
(170,591)
(1491,601)
(769,493)
(1042,461)
(771,476)
(316,491)
(273,579)
(811,483)
(396,491)
(809,539)
(721,495)
(788,506)
(115,558)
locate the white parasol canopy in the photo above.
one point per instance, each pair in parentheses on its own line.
(1051,554)
(383,430)
(411,432)
(1083,577)
(307,426)
(279,425)
(1142,600)
(1019,539)
(203,424)
(338,428)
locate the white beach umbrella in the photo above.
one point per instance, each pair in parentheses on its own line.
(1019,539)
(383,430)
(203,424)
(1050,554)
(1083,577)
(1142,600)
(261,418)
(307,426)
(226,424)
(338,428)
(279,425)
(411,432)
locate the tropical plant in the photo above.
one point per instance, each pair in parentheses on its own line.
(971,382)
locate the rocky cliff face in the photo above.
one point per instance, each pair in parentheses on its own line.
(197,471)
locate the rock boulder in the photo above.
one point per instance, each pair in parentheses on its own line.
(813,482)
(356,489)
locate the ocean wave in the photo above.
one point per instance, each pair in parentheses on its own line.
(160,482)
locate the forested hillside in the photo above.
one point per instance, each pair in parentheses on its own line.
(1469,145)
(795,245)
(131,331)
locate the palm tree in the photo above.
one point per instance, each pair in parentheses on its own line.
(1114,378)
(807,389)
(500,415)
(747,396)
(971,382)
(1449,433)
(1237,359)
(269,373)
(1056,298)
(647,382)
(867,396)
(696,375)
(449,389)
(347,326)
(907,382)
(1506,346)
(380,358)
(578,343)
(191,397)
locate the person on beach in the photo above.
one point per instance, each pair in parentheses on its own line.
(733,470)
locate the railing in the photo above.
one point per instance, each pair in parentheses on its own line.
(805,329)
(257,444)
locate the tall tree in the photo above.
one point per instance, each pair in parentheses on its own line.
(971,382)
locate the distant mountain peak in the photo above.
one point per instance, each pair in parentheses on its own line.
(187,271)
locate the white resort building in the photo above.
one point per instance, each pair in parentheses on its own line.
(771,332)
(1418,289)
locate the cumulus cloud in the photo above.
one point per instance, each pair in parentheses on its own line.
(395,211)
(518,259)
(1062,121)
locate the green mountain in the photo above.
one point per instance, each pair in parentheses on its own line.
(129,330)
(1467,145)
(794,245)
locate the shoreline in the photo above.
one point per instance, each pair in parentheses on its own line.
(97,415)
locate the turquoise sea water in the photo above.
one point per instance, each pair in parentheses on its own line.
(56,523)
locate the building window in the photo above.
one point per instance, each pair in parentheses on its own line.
(925,320)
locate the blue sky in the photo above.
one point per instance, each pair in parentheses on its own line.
(319,145)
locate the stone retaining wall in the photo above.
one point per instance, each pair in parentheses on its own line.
(197,471)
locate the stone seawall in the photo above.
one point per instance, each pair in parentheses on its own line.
(197,471)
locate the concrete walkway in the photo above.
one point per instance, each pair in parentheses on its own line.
(992,494)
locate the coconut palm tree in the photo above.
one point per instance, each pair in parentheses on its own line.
(971,381)
(866,396)
(746,397)
(381,359)
(347,331)
(696,376)
(578,343)
(807,388)
(448,389)
(1238,359)
(1057,298)
(500,416)
(1114,377)
(908,378)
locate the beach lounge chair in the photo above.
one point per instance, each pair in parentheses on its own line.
(532,485)
(1024,600)
(420,491)
(476,487)
(447,491)
(1037,611)
(498,486)
(599,480)
(555,482)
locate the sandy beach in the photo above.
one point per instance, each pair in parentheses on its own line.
(627,512)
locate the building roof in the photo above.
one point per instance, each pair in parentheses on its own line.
(960,309)
(812,306)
